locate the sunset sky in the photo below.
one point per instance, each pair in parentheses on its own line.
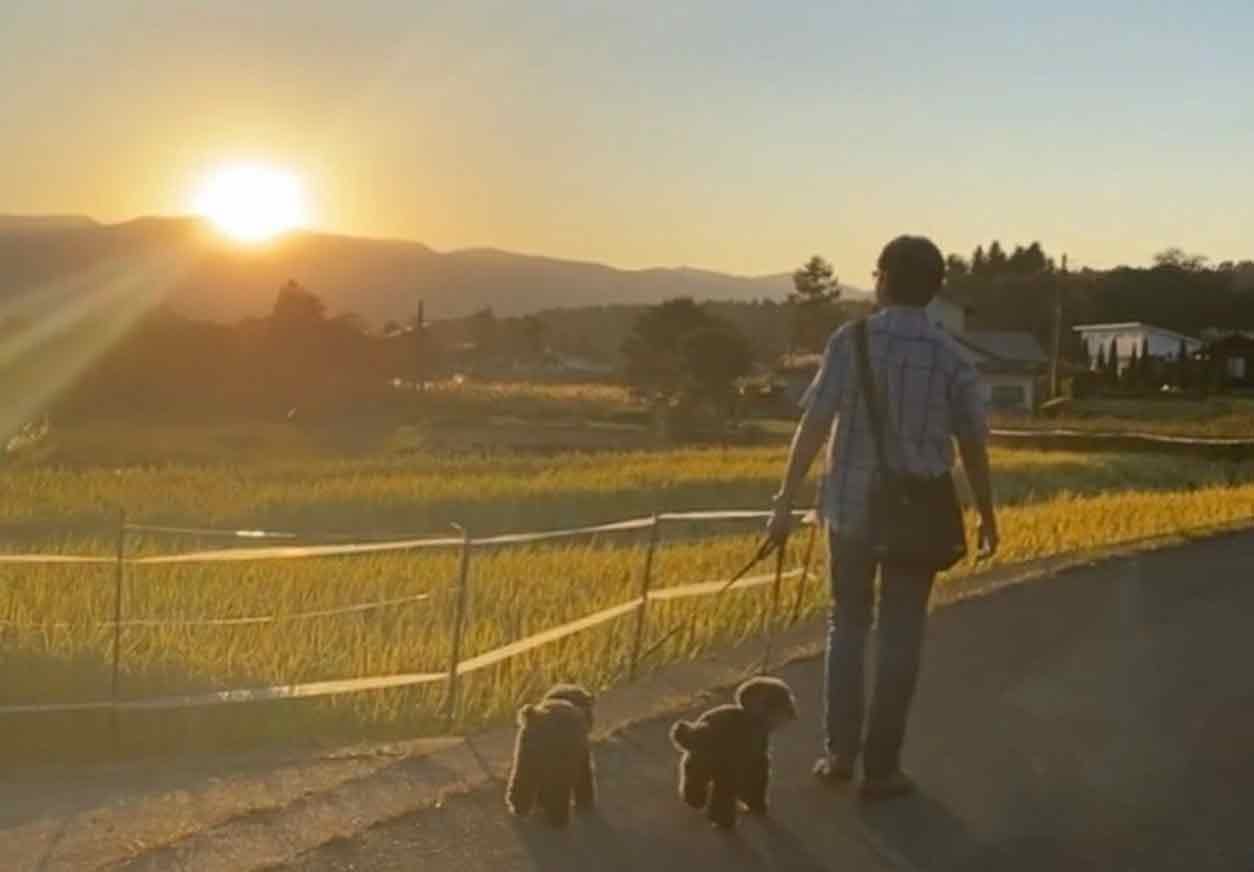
(739,136)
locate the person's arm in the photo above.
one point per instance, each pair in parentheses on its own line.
(971,427)
(975,462)
(806,442)
(820,402)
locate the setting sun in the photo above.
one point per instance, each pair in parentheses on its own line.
(252,202)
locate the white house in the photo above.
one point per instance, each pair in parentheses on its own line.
(1125,337)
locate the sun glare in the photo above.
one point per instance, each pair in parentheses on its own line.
(252,203)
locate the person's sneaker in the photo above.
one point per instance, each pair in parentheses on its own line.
(834,768)
(886,786)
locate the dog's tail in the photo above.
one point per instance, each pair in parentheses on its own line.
(684,735)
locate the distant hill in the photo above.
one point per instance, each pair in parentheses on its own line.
(377,279)
(22,223)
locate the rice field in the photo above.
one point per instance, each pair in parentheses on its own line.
(1217,416)
(55,648)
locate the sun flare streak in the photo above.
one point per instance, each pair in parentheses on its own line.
(48,352)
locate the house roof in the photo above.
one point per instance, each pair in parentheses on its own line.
(1003,350)
(1007,344)
(1131,325)
(1233,342)
(1218,334)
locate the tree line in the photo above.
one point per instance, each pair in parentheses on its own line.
(300,359)
(1019,291)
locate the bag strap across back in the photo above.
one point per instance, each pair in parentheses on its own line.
(870,397)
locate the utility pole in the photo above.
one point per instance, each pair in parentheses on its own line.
(1054,364)
(420,331)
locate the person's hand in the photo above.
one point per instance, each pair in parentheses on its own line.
(779,526)
(989,539)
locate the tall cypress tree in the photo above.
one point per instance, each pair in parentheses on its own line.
(1112,363)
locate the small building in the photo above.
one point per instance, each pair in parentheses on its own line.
(949,315)
(1125,338)
(1233,356)
(1011,363)
(1011,366)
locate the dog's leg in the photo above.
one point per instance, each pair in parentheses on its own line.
(753,782)
(520,794)
(555,800)
(694,781)
(722,807)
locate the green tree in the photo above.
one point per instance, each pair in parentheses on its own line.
(305,358)
(979,261)
(1178,258)
(652,350)
(296,308)
(524,339)
(813,300)
(956,268)
(996,258)
(678,351)
(714,357)
(483,331)
(815,282)
(1028,261)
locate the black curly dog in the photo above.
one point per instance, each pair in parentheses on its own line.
(726,753)
(552,759)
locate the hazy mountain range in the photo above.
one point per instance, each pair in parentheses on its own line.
(375,278)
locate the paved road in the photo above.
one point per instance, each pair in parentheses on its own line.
(1101,720)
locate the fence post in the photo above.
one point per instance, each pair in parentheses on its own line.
(768,620)
(119,576)
(805,573)
(463,583)
(645,579)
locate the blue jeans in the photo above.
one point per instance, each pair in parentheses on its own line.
(903,600)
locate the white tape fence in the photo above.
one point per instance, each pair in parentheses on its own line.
(458,665)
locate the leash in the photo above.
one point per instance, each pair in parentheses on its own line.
(765,550)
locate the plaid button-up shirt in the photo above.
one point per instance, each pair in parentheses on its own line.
(928,391)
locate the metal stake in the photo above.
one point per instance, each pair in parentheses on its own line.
(645,579)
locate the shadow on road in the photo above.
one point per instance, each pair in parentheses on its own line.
(917,832)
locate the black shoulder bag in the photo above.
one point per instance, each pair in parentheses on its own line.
(913,520)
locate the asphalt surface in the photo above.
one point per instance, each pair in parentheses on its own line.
(1103,719)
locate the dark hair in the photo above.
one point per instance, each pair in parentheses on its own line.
(913,270)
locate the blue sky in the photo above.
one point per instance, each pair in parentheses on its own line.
(731,135)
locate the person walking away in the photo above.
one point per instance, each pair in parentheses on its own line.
(923,395)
